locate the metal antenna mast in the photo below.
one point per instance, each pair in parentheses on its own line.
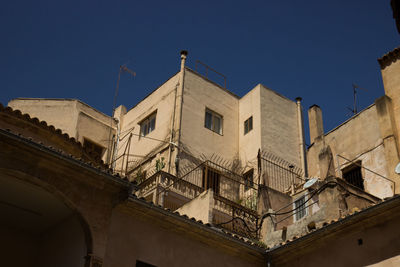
(354,109)
(122,69)
(114,144)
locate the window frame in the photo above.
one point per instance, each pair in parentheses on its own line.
(248,125)
(147,122)
(297,211)
(349,174)
(214,116)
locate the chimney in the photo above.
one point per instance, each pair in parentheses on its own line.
(303,159)
(315,122)
(184,54)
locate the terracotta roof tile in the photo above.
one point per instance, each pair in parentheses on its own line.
(389,58)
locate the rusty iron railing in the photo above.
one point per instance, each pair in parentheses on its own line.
(278,173)
(235,218)
(235,201)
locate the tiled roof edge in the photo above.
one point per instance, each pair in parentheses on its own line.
(389,58)
(43,124)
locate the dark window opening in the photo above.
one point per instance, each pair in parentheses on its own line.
(352,175)
(248,125)
(248,179)
(93,148)
(211,179)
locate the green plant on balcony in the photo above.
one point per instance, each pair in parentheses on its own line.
(160,164)
(139,176)
(250,202)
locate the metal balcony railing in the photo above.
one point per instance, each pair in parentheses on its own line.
(235,200)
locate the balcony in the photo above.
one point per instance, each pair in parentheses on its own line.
(234,199)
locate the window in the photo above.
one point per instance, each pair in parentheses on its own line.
(93,148)
(248,125)
(352,175)
(248,179)
(213,121)
(148,124)
(300,208)
(210,180)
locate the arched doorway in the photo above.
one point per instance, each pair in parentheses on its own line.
(37,228)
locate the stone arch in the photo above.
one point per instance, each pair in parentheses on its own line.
(41,217)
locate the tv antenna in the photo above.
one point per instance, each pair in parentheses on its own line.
(355,88)
(122,69)
(113,145)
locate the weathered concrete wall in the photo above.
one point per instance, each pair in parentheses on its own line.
(200,208)
(249,105)
(389,111)
(279,132)
(271,199)
(71,250)
(61,113)
(71,116)
(199,95)
(335,200)
(94,130)
(358,138)
(160,101)
(359,246)
(133,238)
(391,82)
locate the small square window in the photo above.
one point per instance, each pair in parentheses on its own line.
(213,121)
(352,174)
(300,209)
(148,124)
(248,125)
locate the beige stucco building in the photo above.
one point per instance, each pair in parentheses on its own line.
(90,127)
(355,169)
(195,175)
(363,150)
(188,117)
(188,136)
(191,118)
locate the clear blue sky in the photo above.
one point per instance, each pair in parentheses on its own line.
(314,49)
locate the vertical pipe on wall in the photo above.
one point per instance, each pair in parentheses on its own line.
(178,93)
(181,88)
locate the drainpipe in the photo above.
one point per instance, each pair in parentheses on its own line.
(178,93)
(181,88)
(300,123)
(172,135)
(115,150)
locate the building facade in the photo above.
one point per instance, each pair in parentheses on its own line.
(195,175)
